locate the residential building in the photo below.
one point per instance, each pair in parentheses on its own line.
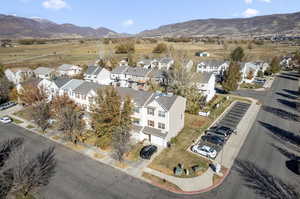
(69,70)
(44,72)
(98,75)
(18,75)
(118,76)
(52,87)
(148,63)
(165,63)
(251,67)
(217,67)
(157,117)
(188,64)
(137,77)
(206,85)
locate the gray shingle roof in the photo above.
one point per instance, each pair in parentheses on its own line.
(137,71)
(165,101)
(119,70)
(139,97)
(73,84)
(93,70)
(65,67)
(204,77)
(86,87)
(157,73)
(60,82)
(146,61)
(43,70)
(166,60)
(212,63)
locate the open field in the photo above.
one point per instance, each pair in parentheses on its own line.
(75,52)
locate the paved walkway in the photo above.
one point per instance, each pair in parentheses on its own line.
(226,156)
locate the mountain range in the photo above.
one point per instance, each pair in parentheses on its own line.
(20,27)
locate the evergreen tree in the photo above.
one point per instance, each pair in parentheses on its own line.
(232,77)
(237,54)
(275,65)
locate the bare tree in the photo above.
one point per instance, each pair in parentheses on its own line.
(31,94)
(71,123)
(7,147)
(263,183)
(120,140)
(41,115)
(5,87)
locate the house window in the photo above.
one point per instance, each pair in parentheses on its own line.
(151,123)
(161,113)
(150,111)
(136,109)
(161,126)
(136,121)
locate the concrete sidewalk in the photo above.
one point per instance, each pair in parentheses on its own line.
(226,157)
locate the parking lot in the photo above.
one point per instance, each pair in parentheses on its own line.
(230,120)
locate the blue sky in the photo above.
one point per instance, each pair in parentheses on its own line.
(133,16)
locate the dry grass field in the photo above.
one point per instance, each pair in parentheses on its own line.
(75,52)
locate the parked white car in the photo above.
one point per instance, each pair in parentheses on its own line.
(5,120)
(205,151)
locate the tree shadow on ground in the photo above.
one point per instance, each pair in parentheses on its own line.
(286,95)
(290,104)
(296,93)
(282,134)
(263,183)
(286,153)
(281,113)
(287,77)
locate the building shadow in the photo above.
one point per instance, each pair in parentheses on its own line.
(290,104)
(291,74)
(287,77)
(281,113)
(263,183)
(294,166)
(291,92)
(286,95)
(282,134)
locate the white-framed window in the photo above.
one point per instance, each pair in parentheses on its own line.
(136,121)
(161,113)
(150,111)
(161,125)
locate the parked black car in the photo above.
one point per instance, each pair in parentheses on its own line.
(219,132)
(148,151)
(215,133)
(224,129)
(213,139)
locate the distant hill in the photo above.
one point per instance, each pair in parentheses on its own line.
(20,27)
(260,25)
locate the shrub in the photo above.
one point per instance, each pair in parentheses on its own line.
(124,48)
(104,142)
(160,48)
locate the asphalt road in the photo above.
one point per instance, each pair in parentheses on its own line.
(79,177)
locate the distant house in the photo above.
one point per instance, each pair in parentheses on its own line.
(123,62)
(34,82)
(44,72)
(69,70)
(98,75)
(206,85)
(202,54)
(148,63)
(251,67)
(118,76)
(18,75)
(165,63)
(217,67)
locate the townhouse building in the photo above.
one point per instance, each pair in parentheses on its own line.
(157,117)
(44,72)
(206,85)
(217,67)
(251,67)
(98,75)
(18,75)
(69,70)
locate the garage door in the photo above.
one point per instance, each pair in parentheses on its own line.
(157,141)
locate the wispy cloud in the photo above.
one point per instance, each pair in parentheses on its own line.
(55,4)
(250,12)
(251,1)
(267,1)
(128,23)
